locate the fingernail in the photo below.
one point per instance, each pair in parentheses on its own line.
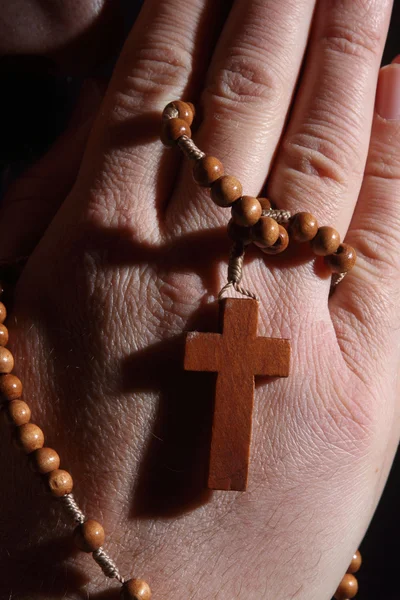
(396,60)
(388,92)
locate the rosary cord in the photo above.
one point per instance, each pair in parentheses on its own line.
(106,563)
(235,273)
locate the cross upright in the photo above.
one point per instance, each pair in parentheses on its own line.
(237,355)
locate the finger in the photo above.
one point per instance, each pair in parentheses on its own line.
(366,305)
(31,201)
(322,157)
(166,50)
(249,88)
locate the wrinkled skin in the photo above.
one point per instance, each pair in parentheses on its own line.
(135,254)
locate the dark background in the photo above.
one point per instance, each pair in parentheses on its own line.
(28,127)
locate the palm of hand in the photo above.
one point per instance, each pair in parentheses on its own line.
(134,258)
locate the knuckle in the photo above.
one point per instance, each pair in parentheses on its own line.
(316,156)
(362,41)
(376,245)
(245,79)
(162,68)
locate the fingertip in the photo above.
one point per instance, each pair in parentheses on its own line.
(396,60)
(388,92)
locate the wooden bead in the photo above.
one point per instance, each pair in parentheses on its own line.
(135,589)
(173,129)
(347,589)
(89,536)
(326,241)
(3,313)
(303,227)
(46,460)
(6,360)
(185,110)
(60,483)
(226,190)
(207,170)
(356,562)
(10,387)
(246,211)
(343,260)
(31,437)
(19,412)
(3,335)
(265,203)
(281,243)
(265,233)
(238,233)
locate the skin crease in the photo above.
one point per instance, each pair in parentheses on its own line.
(137,253)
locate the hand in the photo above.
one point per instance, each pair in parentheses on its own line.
(137,254)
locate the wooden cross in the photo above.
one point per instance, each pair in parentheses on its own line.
(237,355)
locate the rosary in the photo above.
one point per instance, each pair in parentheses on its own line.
(235,353)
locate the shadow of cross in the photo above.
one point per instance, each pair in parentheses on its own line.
(237,355)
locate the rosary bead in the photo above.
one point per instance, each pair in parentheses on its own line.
(281,243)
(3,313)
(135,589)
(347,589)
(31,437)
(226,190)
(3,335)
(303,227)
(207,170)
(326,241)
(173,129)
(89,536)
(238,233)
(6,360)
(46,460)
(343,260)
(60,483)
(265,232)
(246,211)
(10,387)
(265,203)
(355,563)
(185,110)
(19,412)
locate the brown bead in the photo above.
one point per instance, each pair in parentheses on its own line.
(356,562)
(3,335)
(6,360)
(185,110)
(46,460)
(246,211)
(303,227)
(281,243)
(89,536)
(31,437)
(60,483)
(10,387)
(3,313)
(238,233)
(207,170)
(226,190)
(326,241)
(343,260)
(135,589)
(347,589)
(173,129)
(265,233)
(19,412)
(265,203)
